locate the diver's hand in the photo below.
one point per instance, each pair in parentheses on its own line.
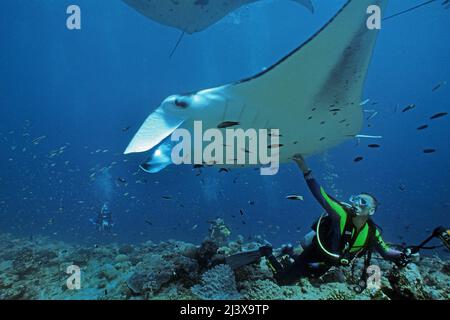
(287,249)
(298,158)
(404,259)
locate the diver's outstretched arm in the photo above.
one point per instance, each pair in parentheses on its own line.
(386,252)
(331,205)
(301,163)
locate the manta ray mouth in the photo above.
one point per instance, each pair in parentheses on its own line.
(160,157)
(157,127)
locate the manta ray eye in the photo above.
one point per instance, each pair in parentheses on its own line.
(181,103)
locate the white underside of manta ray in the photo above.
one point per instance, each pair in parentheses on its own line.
(312,95)
(192,16)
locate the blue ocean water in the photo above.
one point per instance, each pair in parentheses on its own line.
(76,92)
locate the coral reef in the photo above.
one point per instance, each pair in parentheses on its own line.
(37,269)
(217,284)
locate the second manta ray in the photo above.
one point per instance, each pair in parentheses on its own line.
(192,16)
(312,96)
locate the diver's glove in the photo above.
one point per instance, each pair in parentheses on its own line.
(404,259)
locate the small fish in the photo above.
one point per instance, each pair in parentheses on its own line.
(274,134)
(251,202)
(439,85)
(224,170)
(422,127)
(227,124)
(372,116)
(373,145)
(363,103)
(402,187)
(335,110)
(294,197)
(166,197)
(438,115)
(241,211)
(321,139)
(38,139)
(358,159)
(194,227)
(429,151)
(410,107)
(148,222)
(274,146)
(126,128)
(122,180)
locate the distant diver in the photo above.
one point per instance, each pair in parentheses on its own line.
(103,222)
(344,232)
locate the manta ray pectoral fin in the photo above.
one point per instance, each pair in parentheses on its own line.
(191,16)
(311,96)
(158,126)
(306,3)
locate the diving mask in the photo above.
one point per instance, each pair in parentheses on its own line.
(359,201)
(360,204)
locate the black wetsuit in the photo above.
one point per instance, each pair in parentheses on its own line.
(313,261)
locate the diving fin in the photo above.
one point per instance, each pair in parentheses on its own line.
(243,258)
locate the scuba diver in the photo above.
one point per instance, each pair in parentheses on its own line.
(343,233)
(103,222)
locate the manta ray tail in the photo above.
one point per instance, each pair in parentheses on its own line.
(177,44)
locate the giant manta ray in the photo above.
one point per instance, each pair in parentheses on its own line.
(312,95)
(192,16)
